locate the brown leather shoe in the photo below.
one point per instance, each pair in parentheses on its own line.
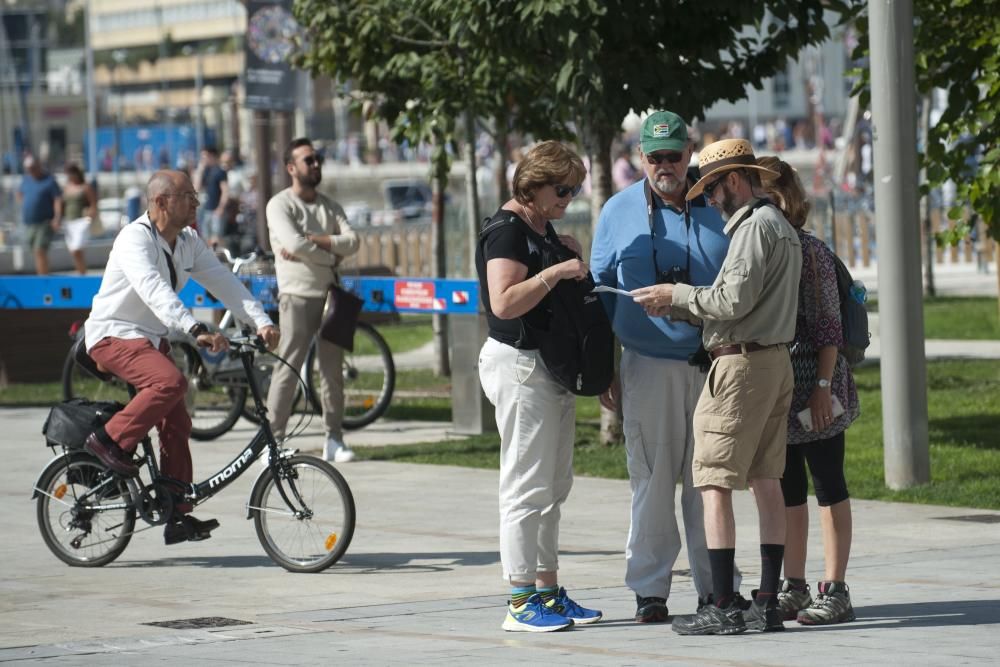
(112,456)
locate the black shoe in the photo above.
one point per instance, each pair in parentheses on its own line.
(711,620)
(651,610)
(764,619)
(110,455)
(188,529)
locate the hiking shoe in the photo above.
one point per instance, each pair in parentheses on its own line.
(567,608)
(110,455)
(534,616)
(711,620)
(832,605)
(792,600)
(188,529)
(651,610)
(764,619)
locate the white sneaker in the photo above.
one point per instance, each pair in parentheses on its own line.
(336,451)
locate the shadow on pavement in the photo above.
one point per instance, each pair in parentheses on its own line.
(922,614)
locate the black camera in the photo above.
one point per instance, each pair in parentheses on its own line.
(676,274)
(701,359)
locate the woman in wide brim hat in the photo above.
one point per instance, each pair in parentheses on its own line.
(716,160)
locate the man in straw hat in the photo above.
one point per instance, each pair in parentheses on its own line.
(647,234)
(740,422)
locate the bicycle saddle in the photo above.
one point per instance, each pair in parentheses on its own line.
(87,363)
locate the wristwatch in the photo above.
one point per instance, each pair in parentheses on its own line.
(198,330)
(823,383)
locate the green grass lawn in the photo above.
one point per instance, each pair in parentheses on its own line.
(964,423)
(411,332)
(959,318)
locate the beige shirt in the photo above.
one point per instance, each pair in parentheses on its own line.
(289,219)
(754,298)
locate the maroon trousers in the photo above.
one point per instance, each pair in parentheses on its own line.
(159,402)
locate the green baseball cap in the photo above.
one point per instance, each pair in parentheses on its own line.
(663,131)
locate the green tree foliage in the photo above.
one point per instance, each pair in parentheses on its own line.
(957,49)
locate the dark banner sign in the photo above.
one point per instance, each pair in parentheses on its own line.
(270,81)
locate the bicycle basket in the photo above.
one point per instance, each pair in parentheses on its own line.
(70,422)
(261,266)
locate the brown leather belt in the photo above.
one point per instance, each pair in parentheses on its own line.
(738,348)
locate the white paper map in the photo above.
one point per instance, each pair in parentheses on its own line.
(614,290)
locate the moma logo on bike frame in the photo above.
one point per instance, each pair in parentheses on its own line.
(232,468)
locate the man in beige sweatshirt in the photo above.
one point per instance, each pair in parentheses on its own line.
(310,236)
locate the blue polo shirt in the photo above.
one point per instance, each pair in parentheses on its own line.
(39,196)
(622,256)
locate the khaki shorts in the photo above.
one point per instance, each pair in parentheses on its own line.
(39,236)
(741,422)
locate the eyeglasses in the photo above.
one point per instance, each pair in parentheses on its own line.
(657,158)
(564,190)
(193,196)
(315,159)
(710,188)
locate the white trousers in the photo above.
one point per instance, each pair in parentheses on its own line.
(537,422)
(658,401)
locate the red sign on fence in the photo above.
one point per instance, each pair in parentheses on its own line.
(416,294)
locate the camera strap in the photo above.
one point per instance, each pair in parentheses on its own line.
(650,207)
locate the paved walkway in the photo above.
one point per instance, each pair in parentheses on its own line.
(421,583)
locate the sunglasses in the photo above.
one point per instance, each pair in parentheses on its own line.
(710,188)
(658,158)
(311,160)
(564,190)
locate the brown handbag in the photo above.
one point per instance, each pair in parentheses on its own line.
(341,318)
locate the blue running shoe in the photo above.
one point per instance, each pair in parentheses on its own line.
(534,616)
(571,610)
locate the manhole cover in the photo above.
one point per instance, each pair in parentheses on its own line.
(973,518)
(198,623)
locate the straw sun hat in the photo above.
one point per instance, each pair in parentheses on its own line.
(722,156)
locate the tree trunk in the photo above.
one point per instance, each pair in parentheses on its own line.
(929,241)
(600,191)
(503,157)
(439,322)
(471,189)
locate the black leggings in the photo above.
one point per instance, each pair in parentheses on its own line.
(826,464)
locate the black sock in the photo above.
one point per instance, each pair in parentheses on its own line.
(722,562)
(796,584)
(103,436)
(770,572)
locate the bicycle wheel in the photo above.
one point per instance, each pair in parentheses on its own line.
(78,383)
(369,378)
(214,407)
(316,533)
(84,511)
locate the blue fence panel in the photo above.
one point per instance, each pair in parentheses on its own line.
(382,295)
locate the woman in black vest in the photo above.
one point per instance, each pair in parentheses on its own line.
(535,415)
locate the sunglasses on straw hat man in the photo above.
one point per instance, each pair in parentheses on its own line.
(715,160)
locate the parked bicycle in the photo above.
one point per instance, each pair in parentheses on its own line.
(217,389)
(302,508)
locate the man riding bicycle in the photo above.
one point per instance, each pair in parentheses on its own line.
(135,307)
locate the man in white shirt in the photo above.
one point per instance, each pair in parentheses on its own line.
(133,311)
(310,237)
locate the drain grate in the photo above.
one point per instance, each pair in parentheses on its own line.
(198,623)
(972,518)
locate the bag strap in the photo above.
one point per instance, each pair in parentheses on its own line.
(170,259)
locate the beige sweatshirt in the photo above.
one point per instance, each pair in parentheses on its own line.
(289,219)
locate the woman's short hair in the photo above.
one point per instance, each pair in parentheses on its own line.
(548,163)
(785,190)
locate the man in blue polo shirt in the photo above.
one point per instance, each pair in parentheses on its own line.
(41,210)
(649,233)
